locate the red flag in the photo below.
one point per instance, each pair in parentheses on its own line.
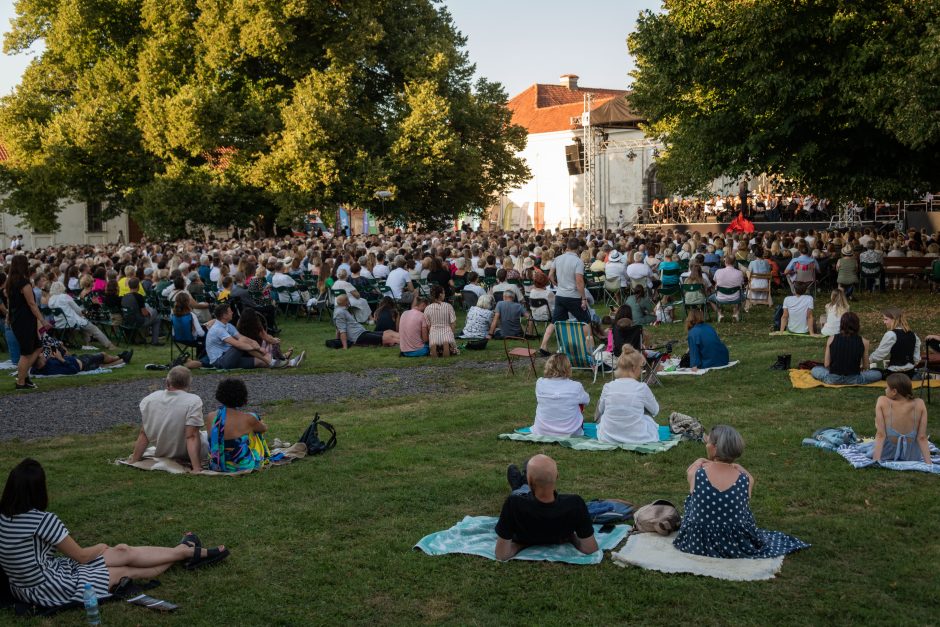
(740,225)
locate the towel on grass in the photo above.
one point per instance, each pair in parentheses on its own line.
(652,551)
(589,441)
(7,365)
(856,456)
(676,371)
(167,464)
(476,535)
(803,380)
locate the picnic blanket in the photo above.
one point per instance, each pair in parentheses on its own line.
(7,365)
(803,380)
(286,452)
(652,551)
(589,441)
(856,456)
(476,535)
(77,374)
(677,371)
(792,334)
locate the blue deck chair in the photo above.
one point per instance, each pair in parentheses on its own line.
(571,342)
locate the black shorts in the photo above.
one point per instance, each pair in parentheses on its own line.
(91,362)
(565,306)
(369,338)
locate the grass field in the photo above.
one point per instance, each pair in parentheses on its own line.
(328,540)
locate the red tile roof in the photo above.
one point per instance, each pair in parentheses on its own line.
(549,108)
(4,153)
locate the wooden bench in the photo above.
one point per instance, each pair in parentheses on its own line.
(906,266)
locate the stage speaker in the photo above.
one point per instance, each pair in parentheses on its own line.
(574,157)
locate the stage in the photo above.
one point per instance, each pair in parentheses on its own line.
(703,228)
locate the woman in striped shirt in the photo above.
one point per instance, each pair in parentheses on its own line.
(29,534)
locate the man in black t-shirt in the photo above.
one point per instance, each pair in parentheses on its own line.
(535,514)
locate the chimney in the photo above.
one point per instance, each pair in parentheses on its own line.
(570,81)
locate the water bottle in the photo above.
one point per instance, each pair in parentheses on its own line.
(91,606)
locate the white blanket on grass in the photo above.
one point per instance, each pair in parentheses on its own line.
(652,551)
(683,371)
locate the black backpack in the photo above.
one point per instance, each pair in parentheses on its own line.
(311,437)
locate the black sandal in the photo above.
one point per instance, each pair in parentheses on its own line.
(213,556)
(190,539)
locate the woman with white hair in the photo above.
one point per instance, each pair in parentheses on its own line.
(479,318)
(73,317)
(358,306)
(718,521)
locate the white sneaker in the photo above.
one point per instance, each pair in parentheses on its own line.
(293,363)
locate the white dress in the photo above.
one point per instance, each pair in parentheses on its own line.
(624,413)
(558,411)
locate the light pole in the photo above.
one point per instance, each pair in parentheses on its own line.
(383,195)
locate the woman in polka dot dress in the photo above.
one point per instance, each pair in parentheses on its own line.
(718,521)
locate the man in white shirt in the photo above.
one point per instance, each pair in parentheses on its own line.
(638,271)
(380,270)
(171,420)
(798,312)
(399,281)
(279,280)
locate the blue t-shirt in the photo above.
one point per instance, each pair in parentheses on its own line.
(667,279)
(215,340)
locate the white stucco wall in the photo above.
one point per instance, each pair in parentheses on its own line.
(72,229)
(619,183)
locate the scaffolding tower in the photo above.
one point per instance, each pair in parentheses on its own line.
(588,141)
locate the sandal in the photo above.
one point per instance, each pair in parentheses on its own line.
(190,539)
(213,556)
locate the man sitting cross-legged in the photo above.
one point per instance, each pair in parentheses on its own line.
(535,514)
(171,420)
(227,349)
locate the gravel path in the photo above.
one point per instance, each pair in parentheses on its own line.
(96,408)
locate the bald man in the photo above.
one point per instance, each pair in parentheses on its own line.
(535,514)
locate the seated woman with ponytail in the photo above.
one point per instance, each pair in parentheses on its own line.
(626,406)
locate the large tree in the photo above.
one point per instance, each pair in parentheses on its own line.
(216,112)
(842,97)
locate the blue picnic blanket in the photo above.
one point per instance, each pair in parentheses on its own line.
(589,441)
(856,456)
(476,535)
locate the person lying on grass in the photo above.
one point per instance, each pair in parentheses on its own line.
(29,534)
(560,400)
(900,423)
(626,404)
(55,359)
(535,514)
(717,521)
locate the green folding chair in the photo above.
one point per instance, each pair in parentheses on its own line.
(731,291)
(571,342)
(697,292)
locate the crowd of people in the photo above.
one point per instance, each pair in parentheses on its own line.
(403,290)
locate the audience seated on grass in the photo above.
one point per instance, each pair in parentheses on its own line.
(831,321)
(236,437)
(717,521)
(560,401)
(706,350)
(386,315)
(252,326)
(797,312)
(171,421)
(413,330)
(227,349)
(477,324)
(900,424)
(625,409)
(535,514)
(350,333)
(899,349)
(54,359)
(846,358)
(29,535)
(442,320)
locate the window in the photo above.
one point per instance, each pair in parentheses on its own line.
(93,216)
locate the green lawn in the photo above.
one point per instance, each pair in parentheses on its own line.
(328,539)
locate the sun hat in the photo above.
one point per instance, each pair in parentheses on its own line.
(614,257)
(847,250)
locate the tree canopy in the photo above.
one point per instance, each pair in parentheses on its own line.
(841,97)
(217,112)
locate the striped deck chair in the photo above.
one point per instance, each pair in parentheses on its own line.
(571,342)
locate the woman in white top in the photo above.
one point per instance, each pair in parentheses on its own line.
(358,306)
(626,404)
(74,317)
(560,400)
(836,306)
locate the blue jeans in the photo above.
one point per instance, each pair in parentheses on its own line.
(821,373)
(424,351)
(12,345)
(525,489)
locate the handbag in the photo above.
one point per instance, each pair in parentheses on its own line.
(660,517)
(311,437)
(686,426)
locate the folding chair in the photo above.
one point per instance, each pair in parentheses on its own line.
(872,273)
(612,293)
(763,294)
(571,342)
(730,291)
(470,299)
(62,328)
(287,299)
(697,290)
(654,357)
(129,330)
(182,342)
(539,303)
(519,352)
